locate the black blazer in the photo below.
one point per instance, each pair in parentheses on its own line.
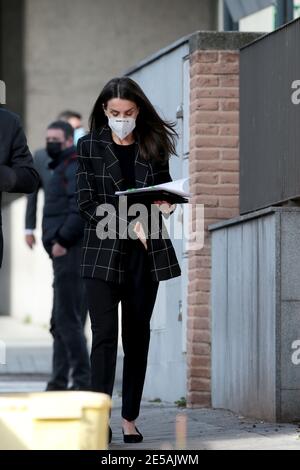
(17,174)
(98,178)
(61,220)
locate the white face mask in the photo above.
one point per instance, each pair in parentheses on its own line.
(122,127)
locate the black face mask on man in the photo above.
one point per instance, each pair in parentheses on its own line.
(54,149)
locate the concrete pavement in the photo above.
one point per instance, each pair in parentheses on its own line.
(28,351)
(28,367)
(205,429)
(28,348)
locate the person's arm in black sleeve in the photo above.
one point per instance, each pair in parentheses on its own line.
(19,176)
(31,210)
(32,202)
(72,229)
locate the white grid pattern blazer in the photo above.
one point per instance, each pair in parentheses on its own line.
(98,178)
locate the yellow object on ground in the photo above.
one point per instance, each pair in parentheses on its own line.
(54,421)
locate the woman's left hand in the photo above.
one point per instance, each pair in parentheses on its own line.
(165,207)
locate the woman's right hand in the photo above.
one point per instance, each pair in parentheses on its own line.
(58,251)
(139,231)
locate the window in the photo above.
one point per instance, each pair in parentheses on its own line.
(264,20)
(296,9)
(261,21)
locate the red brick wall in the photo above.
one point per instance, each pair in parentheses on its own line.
(214,170)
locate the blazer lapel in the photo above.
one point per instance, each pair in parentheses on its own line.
(113,166)
(111,161)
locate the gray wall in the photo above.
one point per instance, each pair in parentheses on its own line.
(270,120)
(256,315)
(72,48)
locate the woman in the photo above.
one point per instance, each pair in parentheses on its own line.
(129,146)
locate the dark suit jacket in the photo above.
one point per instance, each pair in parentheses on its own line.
(98,178)
(41,164)
(61,220)
(15,161)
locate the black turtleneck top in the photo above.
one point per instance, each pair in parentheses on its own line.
(126,156)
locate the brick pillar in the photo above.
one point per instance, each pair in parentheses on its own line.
(214,170)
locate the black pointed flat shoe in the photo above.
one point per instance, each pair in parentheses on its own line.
(132,438)
(110,435)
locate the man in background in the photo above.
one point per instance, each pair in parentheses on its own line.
(41,163)
(75,119)
(63,230)
(17,174)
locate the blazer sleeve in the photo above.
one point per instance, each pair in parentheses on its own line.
(86,186)
(19,176)
(161,172)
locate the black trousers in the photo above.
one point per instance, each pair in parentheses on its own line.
(137,296)
(69,314)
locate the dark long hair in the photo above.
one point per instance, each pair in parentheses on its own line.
(156,137)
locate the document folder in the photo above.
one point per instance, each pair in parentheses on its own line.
(173,192)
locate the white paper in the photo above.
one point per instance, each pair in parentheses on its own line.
(176,187)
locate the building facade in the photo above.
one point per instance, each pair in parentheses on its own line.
(60,58)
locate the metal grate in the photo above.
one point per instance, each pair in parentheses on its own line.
(270,120)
